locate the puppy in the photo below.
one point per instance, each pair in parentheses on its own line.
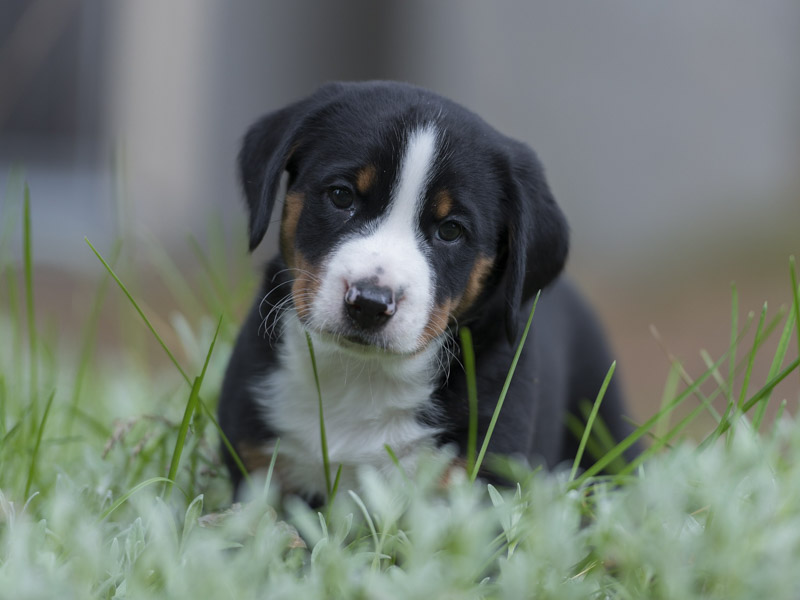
(405,217)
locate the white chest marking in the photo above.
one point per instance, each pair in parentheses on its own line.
(368,402)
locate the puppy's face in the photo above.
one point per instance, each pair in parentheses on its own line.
(387,243)
(402,211)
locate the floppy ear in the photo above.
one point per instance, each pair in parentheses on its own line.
(538,235)
(266,150)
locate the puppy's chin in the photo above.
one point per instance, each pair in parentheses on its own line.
(362,345)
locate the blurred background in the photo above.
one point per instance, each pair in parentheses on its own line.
(670,133)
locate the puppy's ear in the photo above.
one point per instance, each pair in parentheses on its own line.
(538,235)
(265,153)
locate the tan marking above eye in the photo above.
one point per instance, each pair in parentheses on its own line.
(442,204)
(292,207)
(365,178)
(477,277)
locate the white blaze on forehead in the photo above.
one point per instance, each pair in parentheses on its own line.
(415,172)
(390,253)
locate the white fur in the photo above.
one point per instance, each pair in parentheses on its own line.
(392,252)
(368,400)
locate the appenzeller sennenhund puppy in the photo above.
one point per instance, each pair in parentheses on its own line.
(405,217)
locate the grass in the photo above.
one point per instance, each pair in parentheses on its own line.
(111,484)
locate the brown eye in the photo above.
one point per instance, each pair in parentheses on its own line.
(449,231)
(341,197)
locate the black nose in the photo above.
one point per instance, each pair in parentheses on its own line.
(368,304)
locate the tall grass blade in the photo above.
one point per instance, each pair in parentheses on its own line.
(27,241)
(218,288)
(756,398)
(643,429)
(468,352)
(15,312)
(777,361)
(499,406)
(323,439)
(3,406)
(590,421)
(796,297)
(173,278)
(752,356)
(39,434)
(226,442)
(89,337)
(670,389)
(139,310)
(335,487)
(733,343)
(271,469)
(191,408)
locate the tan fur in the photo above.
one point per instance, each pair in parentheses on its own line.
(477,277)
(365,179)
(305,286)
(437,322)
(442,204)
(292,207)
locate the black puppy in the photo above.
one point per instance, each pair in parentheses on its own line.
(405,217)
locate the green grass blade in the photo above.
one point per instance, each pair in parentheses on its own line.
(172,277)
(367,517)
(335,487)
(660,442)
(468,352)
(272,460)
(27,241)
(498,407)
(226,442)
(3,407)
(778,417)
(733,344)
(643,429)
(670,389)
(191,407)
(757,397)
(576,427)
(15,312)
(89,337)
(141,313)
(323,439)
(601,436)
(218,287)
(796,298)
(777,361)
(752,356)
(124,498)
(590,421)
(396,462)
(39,434)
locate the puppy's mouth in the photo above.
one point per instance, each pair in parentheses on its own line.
(363,343)
(359,343)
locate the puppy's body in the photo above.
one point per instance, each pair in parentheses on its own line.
(405,217)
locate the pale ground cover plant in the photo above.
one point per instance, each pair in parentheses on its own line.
(111,484)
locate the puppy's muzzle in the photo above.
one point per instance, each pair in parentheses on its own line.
(369,305)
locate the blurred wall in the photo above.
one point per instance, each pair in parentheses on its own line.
(670,131)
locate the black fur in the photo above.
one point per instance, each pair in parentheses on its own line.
(512,217)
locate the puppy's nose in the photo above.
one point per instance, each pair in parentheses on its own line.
(368,304)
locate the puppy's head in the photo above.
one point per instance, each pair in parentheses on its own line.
(404,212)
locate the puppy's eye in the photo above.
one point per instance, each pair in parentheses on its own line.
(341,197)
(449,231)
